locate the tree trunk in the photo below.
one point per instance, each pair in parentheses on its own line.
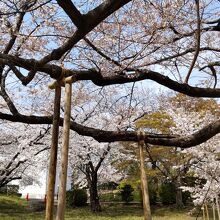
(179,195)
(94,198)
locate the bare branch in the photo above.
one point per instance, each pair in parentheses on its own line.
(14,33)
(74,14)
(105,153)
(5,95)
(197,42)
(24,79)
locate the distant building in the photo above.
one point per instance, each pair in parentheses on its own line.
(38,189)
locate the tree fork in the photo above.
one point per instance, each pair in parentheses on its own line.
(144,184)
(53,155)
(64,152)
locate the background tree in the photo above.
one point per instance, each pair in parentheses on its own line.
(17,161)
(171,165)
(87,156)
(107,44)
(204,163)
(91,164)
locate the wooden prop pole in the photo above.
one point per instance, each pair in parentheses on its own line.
(207,211)
(144,184)
(217,207)
(203,213)
(213,210)
(64,153)
(53,155)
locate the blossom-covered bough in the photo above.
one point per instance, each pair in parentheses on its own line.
(106,44)
(13,58)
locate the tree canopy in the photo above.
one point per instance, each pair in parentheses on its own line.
(104,45)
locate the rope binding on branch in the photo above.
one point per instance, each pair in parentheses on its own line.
(62,80)
(141,136)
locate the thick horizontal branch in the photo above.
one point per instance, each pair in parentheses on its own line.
(139,75)
(52,70)
(112,136)
(133,75)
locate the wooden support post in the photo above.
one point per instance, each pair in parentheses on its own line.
(213,210)
(217,207)
(64,154)
(207,211)
(53,155)
(203,213)
(144,183)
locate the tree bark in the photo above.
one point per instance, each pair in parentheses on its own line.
(179,194)
(93,191)
(191,140)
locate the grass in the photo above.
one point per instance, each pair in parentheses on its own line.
(14,208)
(116,197)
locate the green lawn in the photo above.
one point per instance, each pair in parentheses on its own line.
(14,208)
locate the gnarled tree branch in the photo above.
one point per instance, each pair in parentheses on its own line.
(112,136)
(132,75)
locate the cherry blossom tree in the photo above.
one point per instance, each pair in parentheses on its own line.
(93,159)
(108,43)
(17,161)
(173,164)
(203,163)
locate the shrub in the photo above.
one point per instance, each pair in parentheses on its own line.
(70,198)
(110,197)
(126,193)
(9,189)
(37,205)
(80,197)
(186,197)
(152,194)
(12,189)
(167,193)
(76,197)
(3,190)
(108,186)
